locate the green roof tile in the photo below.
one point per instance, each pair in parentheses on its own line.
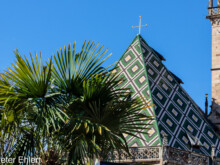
(176,113)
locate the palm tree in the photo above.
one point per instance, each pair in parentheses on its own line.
(69,107)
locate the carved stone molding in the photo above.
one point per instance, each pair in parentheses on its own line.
(214,15)
(165,155)
(214,11)
(181,157)
(215,22)
(136,154)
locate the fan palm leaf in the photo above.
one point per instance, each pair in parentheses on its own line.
(102,116)
(72,103)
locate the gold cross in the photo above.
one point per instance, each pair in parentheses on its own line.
(139,25)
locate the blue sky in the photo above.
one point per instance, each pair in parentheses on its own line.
(177,29)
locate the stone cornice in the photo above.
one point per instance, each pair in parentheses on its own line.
(213,69)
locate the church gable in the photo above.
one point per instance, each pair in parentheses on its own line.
(176,113)
(135,78)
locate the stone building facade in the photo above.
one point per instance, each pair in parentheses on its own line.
(214,17)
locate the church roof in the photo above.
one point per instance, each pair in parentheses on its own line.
(176,114)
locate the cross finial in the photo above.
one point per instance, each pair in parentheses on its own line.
(139,25)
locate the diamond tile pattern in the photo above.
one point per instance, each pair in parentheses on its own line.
(133,70)
(176,113)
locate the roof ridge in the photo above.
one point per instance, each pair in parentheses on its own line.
(143,61)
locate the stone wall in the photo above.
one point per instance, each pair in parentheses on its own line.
(214,17)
